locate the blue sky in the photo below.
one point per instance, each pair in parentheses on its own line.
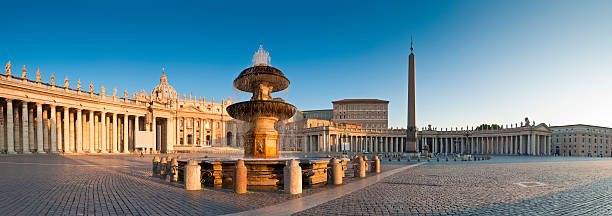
(476,61)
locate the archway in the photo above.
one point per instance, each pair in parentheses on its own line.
(229,138)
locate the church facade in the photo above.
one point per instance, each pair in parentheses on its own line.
(40,117)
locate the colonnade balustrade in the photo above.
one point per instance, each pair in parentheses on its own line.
(33,127)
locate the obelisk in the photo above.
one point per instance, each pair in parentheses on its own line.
(411,136)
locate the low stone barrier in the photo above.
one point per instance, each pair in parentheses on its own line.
(292,174)
(193,176)
(240,177)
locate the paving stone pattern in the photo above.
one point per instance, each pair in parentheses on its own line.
(114,185)
(446,188)
(122,185)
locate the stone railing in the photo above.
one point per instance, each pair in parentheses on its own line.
(79,92)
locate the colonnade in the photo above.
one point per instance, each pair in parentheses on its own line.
(524,144)
(33,127)
(353,143)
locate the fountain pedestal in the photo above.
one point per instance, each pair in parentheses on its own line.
(261,141)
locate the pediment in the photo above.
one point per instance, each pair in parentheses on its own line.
(190,109)
(542,127)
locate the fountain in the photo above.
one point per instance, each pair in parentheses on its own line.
(262,111)
(261,158)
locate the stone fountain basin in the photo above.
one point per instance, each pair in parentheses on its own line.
(248,110)
(262,174)
(250,79)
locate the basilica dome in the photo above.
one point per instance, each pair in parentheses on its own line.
(164,93)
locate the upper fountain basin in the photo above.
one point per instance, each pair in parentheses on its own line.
(248,110)
(250,78)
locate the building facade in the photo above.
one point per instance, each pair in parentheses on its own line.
(369,113)
(43,117)
(582,140)
(318,135)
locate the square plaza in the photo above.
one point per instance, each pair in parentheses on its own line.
(123,185)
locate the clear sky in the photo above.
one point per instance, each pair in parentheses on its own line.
(476,61)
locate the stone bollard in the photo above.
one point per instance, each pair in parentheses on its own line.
(376,164)
(293,177)
(167,172)
(365,158)
(240,177)
(193,176)
(156,162)
(336,172)
(362,168)
(162,167)
(355,163)
(174,167)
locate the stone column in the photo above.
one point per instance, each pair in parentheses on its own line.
(538,148)
(39,129)
(504,145)
(2,126)
(480,148)
(72,132)
(79,131)
(114,147)
(53,130)
(25,126)
(203,138)
(524,146)
(473,145)
(304,144)
(154,129)
(46,130)
(66,125)
(10,139)
(126,135)
(184,131)
(31,129)
(528,145)
(136,129)
(60,134)
(212,132)
(103,121)
(96,134)
(92,148)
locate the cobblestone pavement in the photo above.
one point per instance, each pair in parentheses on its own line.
(121,185)
(114,185)
(571,186)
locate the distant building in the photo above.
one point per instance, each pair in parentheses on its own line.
(527,138)
(326,114)
(582,140)
(369,113)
